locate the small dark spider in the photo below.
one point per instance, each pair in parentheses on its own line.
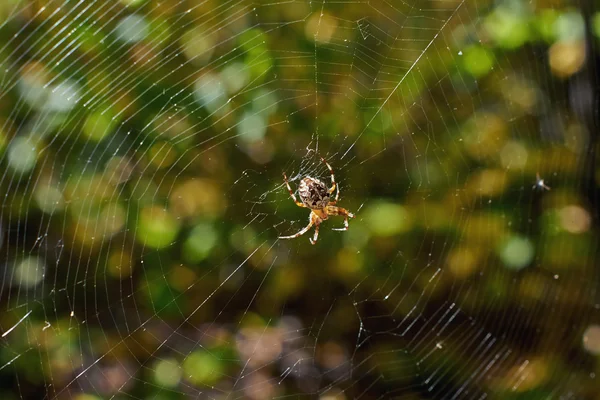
(315,195)
(539,183)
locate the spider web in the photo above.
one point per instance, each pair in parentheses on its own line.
(142,148)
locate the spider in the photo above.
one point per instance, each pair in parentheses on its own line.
(539,183)
(316,196)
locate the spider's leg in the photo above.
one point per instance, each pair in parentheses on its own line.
(314,238)
(341,211)
(312,220)
(302,232)
(345,228)
(299,204)
(334,186)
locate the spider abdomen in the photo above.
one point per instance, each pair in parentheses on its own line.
(313,193)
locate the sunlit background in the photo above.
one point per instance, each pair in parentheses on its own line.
(142,146)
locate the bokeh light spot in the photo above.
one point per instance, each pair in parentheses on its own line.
(252,127)
(22,154)
(196,197)
(462,262)
(33,79)
(118,170)
(199,243)
(210,92)
(483,135)
(591,339)
(569,26)
(202,368)
(320,27)
(29,272)
(566,58)
(133,28)
(156,227)
(63,96)
(98,125)
(517,252)
(387,219)
(235,76)
(49,198)
(478,60)
(120,264)
(508,27)
(575,219)
(167,372)
(162,154)
(513,155)
(197,45)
